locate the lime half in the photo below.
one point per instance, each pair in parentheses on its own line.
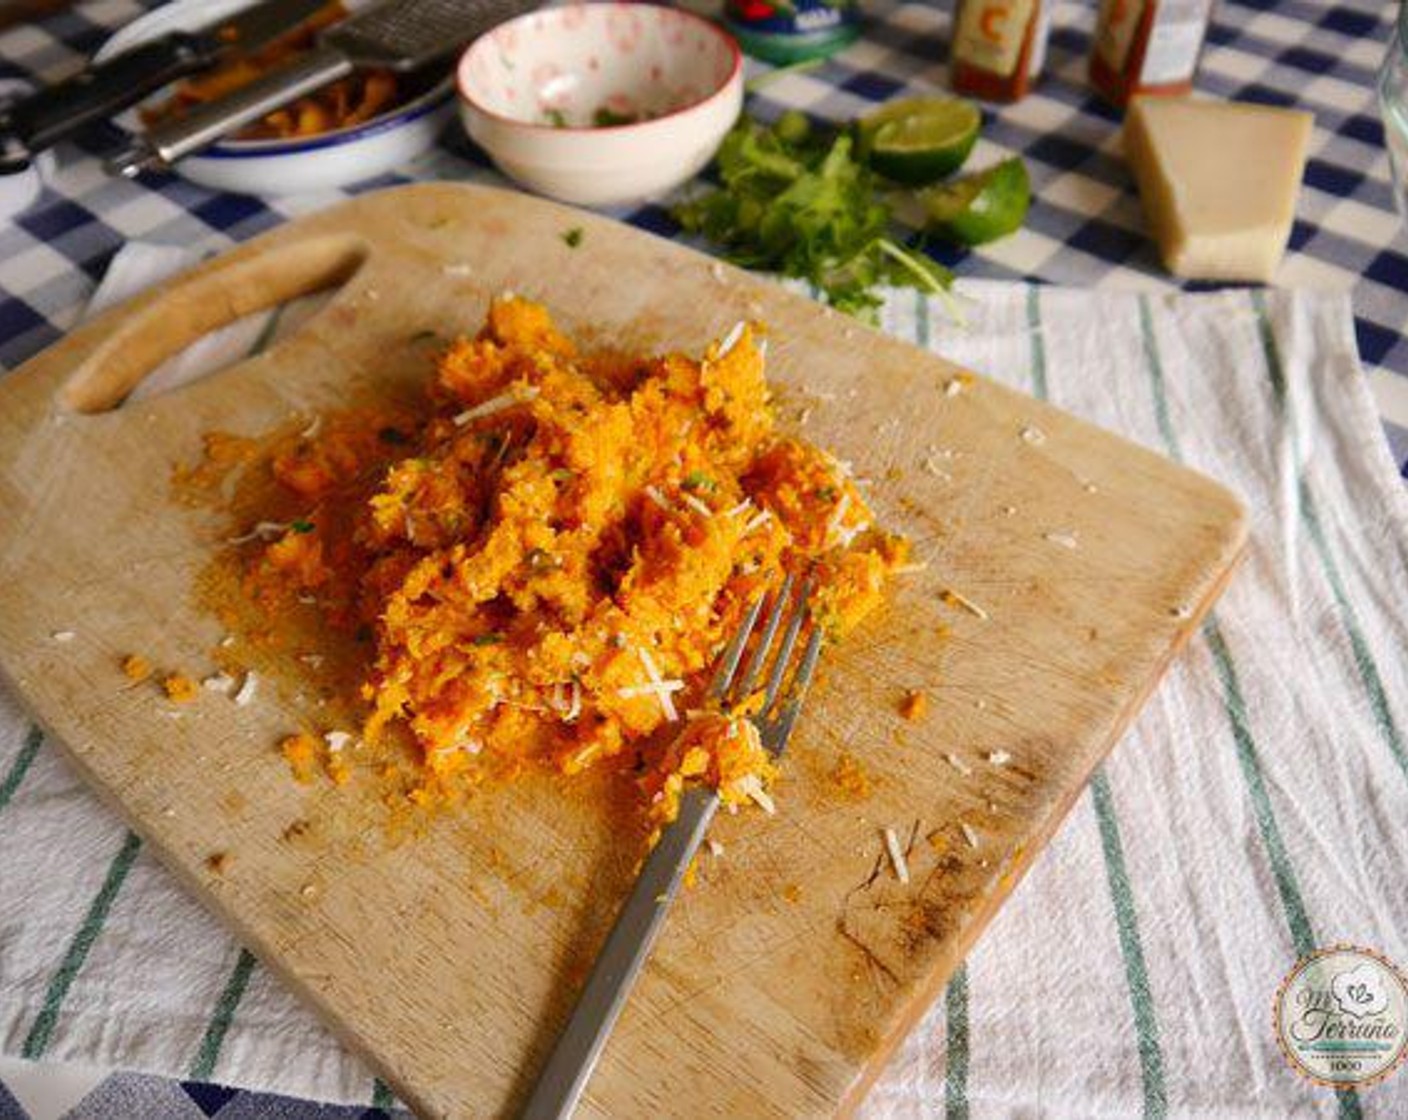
(980,207)
(919,139)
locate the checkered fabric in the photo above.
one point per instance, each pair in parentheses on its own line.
(1084,228)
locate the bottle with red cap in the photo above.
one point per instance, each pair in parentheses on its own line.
(1147,46)
(998,47)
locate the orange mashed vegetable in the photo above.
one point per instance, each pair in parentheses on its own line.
(561,549)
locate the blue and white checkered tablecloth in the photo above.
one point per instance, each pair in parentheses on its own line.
(1085,226)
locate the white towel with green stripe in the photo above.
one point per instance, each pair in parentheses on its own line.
(1257,809)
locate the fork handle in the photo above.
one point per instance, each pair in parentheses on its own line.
(628,945)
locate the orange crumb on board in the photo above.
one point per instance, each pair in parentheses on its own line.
(850,777)
(914,705)
(179,688)
(792,893)
(135,667)
(303,753)
(219,862)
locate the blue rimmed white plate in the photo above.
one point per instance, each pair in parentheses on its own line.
(270,167)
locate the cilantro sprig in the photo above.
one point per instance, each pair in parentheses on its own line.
(797,201)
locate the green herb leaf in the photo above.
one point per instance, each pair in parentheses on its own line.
(795,200)
(556,117)
(302,526)
(609,118)
(393,436)
(574,236)
(492,638)
(698,480)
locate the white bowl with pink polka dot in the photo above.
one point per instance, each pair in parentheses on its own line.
(601,104)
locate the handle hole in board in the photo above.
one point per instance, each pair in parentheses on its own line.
(216,319)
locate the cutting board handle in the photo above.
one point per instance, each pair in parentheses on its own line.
(118,349)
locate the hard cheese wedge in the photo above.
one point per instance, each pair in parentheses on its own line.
(1218,181)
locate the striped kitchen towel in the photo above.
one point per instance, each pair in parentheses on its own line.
(1258,808)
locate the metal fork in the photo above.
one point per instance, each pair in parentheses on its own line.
(628,946)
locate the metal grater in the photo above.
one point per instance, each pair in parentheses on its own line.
(407,34)
(400,35)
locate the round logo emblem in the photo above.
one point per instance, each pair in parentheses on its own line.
(1342,1017)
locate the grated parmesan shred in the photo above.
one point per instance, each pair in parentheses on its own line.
(757,521)
(896,853)
(833,526)
(730,340)
(752,785)
(510,399)
(263,530)
(246,693)
(338,740)
(966,603)
(659,686)
(698,506)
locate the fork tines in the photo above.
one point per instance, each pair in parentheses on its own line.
(771,660)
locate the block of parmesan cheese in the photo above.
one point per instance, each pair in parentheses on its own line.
(1218,181)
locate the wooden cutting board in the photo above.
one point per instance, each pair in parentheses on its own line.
(789,973)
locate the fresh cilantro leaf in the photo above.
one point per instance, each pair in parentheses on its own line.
(795,200)
(698,480)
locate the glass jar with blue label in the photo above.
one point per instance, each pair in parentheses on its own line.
(785,31)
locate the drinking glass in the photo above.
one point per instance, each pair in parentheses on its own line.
(1393,103)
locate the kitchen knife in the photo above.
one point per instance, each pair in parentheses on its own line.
(42,119)
(400,35)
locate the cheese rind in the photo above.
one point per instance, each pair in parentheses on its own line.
(1218,182)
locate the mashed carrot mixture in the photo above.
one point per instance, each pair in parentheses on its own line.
(549,563)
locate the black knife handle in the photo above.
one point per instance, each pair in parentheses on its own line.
(41,120)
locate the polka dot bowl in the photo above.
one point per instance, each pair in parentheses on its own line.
(601,104)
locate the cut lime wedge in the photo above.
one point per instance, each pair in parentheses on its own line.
(919,140)
(980,207)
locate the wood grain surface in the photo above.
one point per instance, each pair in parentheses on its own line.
(448,960)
